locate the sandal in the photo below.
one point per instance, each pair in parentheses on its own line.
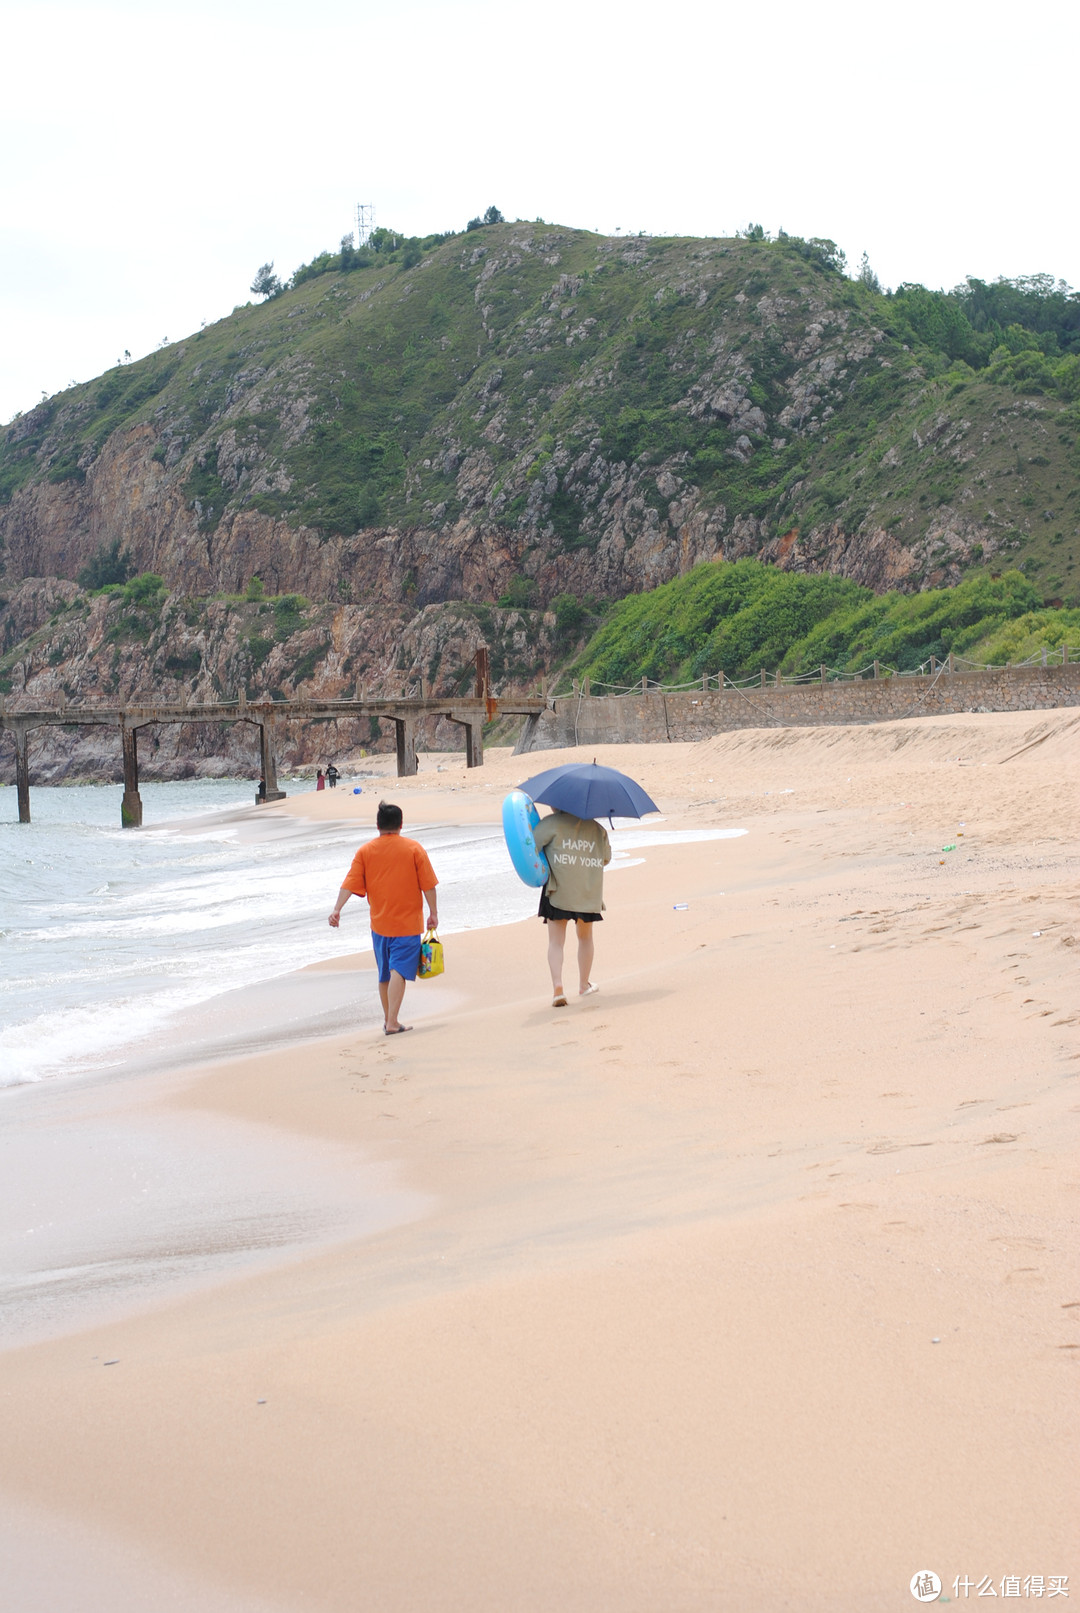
(559,1000)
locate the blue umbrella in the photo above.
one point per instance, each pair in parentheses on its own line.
(588,791)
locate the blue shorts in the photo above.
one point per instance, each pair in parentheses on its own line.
(398,952)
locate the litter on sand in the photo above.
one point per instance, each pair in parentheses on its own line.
(949,848)
(681,907)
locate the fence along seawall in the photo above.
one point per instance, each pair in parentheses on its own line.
(658,716)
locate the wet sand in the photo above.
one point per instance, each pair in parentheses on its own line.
(749,1282)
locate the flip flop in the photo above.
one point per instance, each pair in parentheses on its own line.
(400,1030)
(589,989)
(559,1001)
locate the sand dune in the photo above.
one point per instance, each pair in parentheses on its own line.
(750,1283)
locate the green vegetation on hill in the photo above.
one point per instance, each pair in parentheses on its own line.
(745,616)
(1027,330)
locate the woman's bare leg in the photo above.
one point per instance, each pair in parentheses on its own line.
(585,952)
(556,929)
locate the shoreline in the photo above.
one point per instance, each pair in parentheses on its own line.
(728,1272)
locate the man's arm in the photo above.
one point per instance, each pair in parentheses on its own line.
(342,897)
(432,908)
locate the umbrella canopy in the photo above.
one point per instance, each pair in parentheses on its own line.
(589,791)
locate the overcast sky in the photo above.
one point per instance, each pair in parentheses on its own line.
(155,153)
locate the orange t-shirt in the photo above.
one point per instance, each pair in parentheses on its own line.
(392,872)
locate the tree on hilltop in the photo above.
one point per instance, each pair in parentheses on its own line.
(492,216)
(866,275)
(266,282)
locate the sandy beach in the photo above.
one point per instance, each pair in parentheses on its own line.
(750,1282)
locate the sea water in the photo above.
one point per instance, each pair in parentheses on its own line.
(112,937)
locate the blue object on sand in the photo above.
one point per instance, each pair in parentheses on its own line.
(589,791)
(357,790)
(520,818)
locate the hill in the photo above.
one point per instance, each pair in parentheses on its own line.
(492,434)
(607,409)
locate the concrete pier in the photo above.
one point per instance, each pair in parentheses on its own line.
(469,711)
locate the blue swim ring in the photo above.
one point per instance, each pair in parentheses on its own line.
(519,818)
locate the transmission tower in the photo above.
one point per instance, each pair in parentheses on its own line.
(365,222)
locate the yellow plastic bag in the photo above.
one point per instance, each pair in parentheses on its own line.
(431,956)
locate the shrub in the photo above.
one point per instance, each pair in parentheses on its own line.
(107,566)
(520,594)
(147,589)
(288,615)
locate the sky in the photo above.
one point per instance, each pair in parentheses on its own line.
(156,152)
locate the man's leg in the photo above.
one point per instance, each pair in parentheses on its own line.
(384,998)
(556,929)
(585,950)
(395,992)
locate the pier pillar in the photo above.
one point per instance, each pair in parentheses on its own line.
(483,673)
(22,773)
(474,738)
(131,804)
(269,790)
(525,739)
(405,734)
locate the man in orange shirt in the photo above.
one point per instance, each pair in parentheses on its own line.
(394,874)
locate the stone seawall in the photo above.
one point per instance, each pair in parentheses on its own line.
(657,717)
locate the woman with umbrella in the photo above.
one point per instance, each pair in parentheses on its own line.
(577,850)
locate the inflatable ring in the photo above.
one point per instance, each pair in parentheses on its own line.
(519,819)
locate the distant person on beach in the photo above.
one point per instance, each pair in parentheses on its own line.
(320,782)
(397,878)
(577,851)
(332,776)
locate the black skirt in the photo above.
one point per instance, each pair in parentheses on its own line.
(547,911)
